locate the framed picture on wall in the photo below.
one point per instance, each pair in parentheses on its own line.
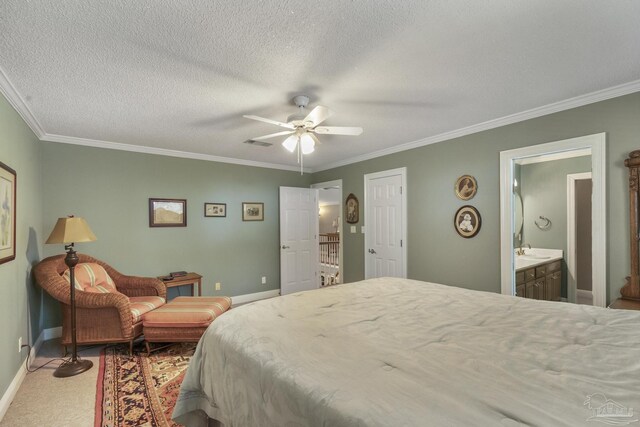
(7,213)
(466,187)
(215,209)
(467,221)
(252,211)
(167,212)
(352,209)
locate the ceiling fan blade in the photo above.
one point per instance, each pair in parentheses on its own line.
(338,130)
(318,115)
(315,139)
(273,135)
(273,122)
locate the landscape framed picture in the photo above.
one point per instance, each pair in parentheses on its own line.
(252,211)
(167,212)
(7,213)
(215,209)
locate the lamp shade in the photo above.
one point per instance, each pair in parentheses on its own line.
(71,230)
(306,143)
(290,143)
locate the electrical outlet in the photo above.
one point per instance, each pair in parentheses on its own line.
(19,344)
(218,286)
(264,280)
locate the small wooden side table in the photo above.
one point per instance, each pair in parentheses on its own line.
(188,279)
(625,304)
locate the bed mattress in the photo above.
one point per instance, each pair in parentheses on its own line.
(398,352)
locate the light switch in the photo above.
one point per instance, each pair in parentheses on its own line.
(353,228)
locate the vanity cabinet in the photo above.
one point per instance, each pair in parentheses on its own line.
(542,281)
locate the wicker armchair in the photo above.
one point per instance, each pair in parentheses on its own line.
(100,317)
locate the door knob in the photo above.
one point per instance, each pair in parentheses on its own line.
(285,247)
(372,251)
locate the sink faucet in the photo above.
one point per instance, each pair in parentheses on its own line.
(520,251)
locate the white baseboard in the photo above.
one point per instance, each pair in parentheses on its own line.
(11,391)
(242,299)
(8,396)
(52,333)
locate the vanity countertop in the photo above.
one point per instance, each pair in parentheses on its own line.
(536,256)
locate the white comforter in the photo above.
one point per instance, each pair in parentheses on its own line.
(397,352)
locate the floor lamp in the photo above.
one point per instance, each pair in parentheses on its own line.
(68,231)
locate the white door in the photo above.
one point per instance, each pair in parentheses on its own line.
(298,239)
(385,221)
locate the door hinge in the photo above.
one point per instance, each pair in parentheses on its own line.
(401,189)
(400,242)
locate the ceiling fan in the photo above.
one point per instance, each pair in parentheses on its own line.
(304,127)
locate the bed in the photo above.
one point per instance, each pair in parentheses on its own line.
(398,352)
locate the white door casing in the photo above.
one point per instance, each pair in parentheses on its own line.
(298,239)
(597,144)
(385,217)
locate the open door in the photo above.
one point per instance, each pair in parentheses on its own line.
(298,239)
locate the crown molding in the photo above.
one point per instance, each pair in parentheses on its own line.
(578,101)
(163,152)
(11,93)
(16,101)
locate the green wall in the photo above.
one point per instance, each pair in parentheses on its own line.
(20,299)
(110,189)
(435,252)
(544,192)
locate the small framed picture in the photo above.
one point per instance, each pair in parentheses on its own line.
(167,212)
(466,187)
(352,209)
(7,213)
(467,221)
(215,209)
(252,211)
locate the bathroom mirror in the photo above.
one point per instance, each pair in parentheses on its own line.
(548,269)
(518,216)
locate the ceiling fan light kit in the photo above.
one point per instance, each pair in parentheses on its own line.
(290,143)
(307,143)
(302,128)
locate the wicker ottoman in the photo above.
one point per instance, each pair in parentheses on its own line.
(183,319)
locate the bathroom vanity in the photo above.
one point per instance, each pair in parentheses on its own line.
(539,274)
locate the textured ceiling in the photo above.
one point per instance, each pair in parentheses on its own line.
(179,75)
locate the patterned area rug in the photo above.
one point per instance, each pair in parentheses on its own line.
(139,390)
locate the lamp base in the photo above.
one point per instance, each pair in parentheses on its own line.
(72,367)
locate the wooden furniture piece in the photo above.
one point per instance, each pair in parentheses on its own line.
(631,289)
(183,319)
(540,282)
(100,317)
(625,304)
(189,279)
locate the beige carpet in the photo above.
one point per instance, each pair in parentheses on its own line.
(44,400)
